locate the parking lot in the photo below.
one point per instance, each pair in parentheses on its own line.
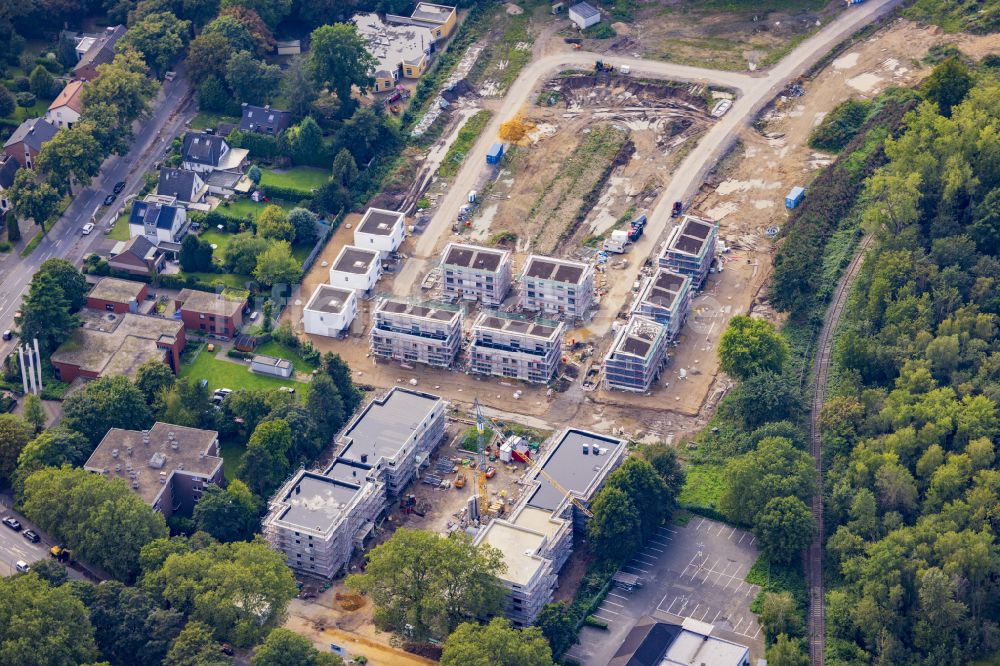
(697,571)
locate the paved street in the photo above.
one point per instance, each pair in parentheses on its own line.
(14,547)
(169,114)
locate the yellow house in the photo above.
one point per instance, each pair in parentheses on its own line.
(402,50)
(439,19)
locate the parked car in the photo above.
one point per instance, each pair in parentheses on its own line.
(22,566)
(8,334)
(31,536)
(110,199)
(12,523)
(119,186)
(87,228)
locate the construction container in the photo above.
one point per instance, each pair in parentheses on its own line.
(795,197)
(494,154)
(472,196)
(617,242)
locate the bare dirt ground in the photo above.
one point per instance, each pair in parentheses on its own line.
(730,35)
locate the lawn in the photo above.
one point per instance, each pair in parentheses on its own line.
(232,454)
(229,374)
(703,486)
(227,279)
(204,120)
(21,114)
(120,231)
(247,207)
(300,178)
(280,350)
(218,238)
(463,144)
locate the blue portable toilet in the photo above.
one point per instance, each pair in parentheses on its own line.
(795,197)
(496,152)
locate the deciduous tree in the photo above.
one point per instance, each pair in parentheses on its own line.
(558,625)
(616,528)
(784,527)
(72,154)
(276,265)
(304,222)
(34,414)
(326,407)
(105,403)
(345,169)
(159,37)
(774,469)
(286,648)
(240,255)
(42,83)
(341,60)
(14,435)
(69,277)
(251,80)
(298,86)
(498,642)
(272,12)
(228,514)
(265,462)
(195,646)
(43,624)
(7,103)
(272,223)
(32,199)
(750,345)
(948,84)
(123,85)
(208,55)
(153,377)
(47,314)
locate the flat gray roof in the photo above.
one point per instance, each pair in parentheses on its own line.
(379,222)
(429,311)
(585,10)
(316,502)
(557,270)
(384,426)
(571,468)
(116,290)
(329,299)
(516,326)
(355,260)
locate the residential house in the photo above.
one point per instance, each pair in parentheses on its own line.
(410,333)
(66,108)
(381,230)
(264,120)
(209,313)
(515,348)
(400,51)
(320,520)
(138,256)
(160,220)
(690,248)
(476,273)
(665,298)
(8,169)
(109,345)
(100,50)
(206,153)
(27,140)
(557,287)
(356,268)
(330,311)
(439,19)
(117,295)
(168,466)
(186,187)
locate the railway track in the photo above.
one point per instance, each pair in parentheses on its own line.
(821,374)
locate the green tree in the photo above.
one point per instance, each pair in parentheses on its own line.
(207,55)
(187,403)
(113,134)
(69,277)
(750,345)
(431,582)
(366,132)
(251,80)
(340,59)
(276,265)
(214,96)
(129,626)
(123,85)
(47,313)
(272,12)
(53,448)
(101,520)
(774,469)
(265,463)
(31,199)
(326,407)
(615,530)
(153,377)
(298,86)
(159,37)
(260,33)
(34,414)
(239,590)
(254,174)
(105,403)
(985,228)
(787,651)
(13,229)
(345,169)
(779,615)
(304,222)
(286,648)
(272,223)
(558,625)
(14,435)
(496,643)
(306,142)
(50,571)
(41,624)
(340,372)
(948,85)
(195,255)
(235,33)
(72,154)
(7,103)
(784,527)
(199,12)
(195,646)
(240,255)
(42,83)
(644,487)
(229,514)
(762,397)
(663,458)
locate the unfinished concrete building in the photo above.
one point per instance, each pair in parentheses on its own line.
(690,248)
(557,287)
(430,333)
(637,355)
(320,520)
(537,538)
(515,348)
(665,299)
(475,273)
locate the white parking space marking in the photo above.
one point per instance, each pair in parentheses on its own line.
(614,603)
(612,594)
(667,530)
(717,614)
(656,549)
(606,619)
(629,566)
(608,610)
(742,536)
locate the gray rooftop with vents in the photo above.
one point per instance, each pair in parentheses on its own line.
(664,289)
(556,270)
(385,426)
(329,299)
(692,236)
(518,326)
(355,260)
(472,256)
(574,470)
(379,222)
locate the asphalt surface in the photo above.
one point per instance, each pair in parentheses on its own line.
(754,91)
(167,118)
(14,547)
(697,571)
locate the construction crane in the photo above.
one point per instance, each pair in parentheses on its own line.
(481,492)
(497,424)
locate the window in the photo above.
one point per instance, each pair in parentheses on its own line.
(110,307)
(201,316)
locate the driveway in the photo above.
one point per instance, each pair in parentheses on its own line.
(697,572)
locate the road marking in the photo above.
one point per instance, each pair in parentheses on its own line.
(722,528)
(651,560)
(667,529)
(629,566)
(717,614)
(656,549)
(752,540)
(659,543)
(743,536)
(614,603)
(606,619)
(672,602)
(695,610)
(608,610)
(700,524)
(612,594)
(731,534)
(757,633)
(738,624)
(707,611)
